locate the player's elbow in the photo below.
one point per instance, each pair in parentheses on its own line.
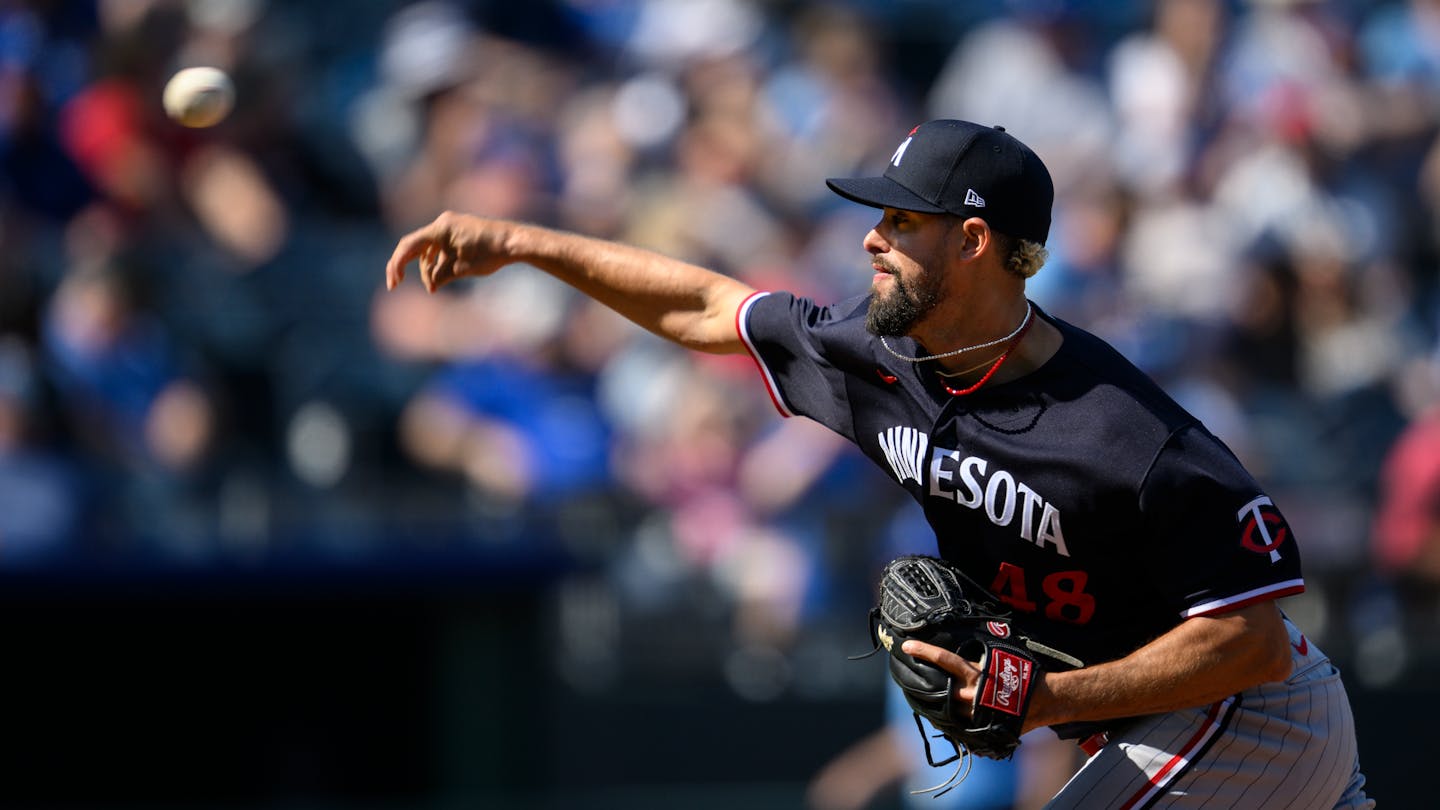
(1273,651)
(1277,665)
(1260,643)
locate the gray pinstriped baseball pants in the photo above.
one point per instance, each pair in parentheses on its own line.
(1288,744)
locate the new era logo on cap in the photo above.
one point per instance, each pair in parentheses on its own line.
(962,168)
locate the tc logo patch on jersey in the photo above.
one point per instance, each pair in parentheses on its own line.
(1262,529)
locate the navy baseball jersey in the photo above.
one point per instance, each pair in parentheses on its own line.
(1080,494)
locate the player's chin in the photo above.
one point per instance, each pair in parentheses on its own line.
(886,289)
(887,316)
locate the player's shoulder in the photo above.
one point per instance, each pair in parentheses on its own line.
(837,329)
(1113,386)
(807,310)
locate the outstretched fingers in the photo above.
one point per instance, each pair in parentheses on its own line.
(437,267)
(414,245)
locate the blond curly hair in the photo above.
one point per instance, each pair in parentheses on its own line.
(1023,257)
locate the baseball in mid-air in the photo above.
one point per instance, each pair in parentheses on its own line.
(199,96)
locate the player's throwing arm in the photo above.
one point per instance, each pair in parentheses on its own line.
(681,302)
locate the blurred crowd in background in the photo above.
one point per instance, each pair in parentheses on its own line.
(199,366)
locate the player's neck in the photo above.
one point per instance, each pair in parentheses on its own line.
(990,335)
(1030,351)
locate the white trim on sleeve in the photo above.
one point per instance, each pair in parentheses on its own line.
(742,325)
(1239,600)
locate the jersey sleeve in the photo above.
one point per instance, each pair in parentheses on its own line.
(1221,542)
(790,339)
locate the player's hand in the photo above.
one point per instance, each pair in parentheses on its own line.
(453,246)
(966,673)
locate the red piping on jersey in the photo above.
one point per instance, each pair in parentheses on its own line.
(770,387)
(1091,745)
(1253,597)
(1177,763)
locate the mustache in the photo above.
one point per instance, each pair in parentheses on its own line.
(884,265)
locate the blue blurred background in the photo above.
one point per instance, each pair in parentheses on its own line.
(270,537)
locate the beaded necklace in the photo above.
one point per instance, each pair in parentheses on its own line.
(1019,335)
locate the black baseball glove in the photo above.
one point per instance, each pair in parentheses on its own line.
(930,600)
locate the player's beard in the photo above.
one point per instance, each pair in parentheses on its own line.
(895,313)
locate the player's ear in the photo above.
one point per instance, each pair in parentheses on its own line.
(973,236)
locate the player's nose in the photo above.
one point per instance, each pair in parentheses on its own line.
(874,243)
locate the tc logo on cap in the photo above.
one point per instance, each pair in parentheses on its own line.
(900,151)
(939,166)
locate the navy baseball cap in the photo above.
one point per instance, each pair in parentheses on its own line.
(956,167)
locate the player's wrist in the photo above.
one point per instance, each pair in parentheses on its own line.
(1045,706)
(518,241)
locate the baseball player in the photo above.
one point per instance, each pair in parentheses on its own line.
(1111,522)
